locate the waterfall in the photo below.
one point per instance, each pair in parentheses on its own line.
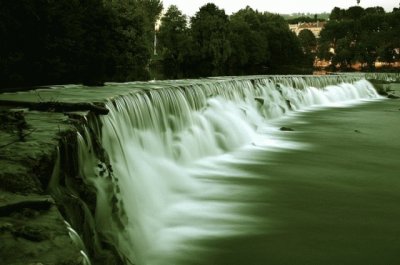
(150,202)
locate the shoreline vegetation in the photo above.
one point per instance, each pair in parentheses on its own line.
(91,42)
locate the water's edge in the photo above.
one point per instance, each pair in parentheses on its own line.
(71,183)
(90,140)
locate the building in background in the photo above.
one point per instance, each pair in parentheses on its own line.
(314,27)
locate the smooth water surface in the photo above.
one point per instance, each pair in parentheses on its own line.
(331,196)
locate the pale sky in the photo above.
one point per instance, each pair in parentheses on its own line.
(190,7)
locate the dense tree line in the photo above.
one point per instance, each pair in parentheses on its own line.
(361,35)
(92,41)
(213,43)
(88,41)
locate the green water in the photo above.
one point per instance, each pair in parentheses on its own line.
(336,201)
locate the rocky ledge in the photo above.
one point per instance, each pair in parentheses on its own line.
(32,230)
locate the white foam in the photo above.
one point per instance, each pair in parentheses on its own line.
(171,156)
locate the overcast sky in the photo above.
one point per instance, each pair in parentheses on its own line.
(190,7)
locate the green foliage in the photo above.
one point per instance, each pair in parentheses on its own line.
(247,42)
(130,39)
(337,14)
(250,49)
(284,45)
(360,35)
(375,10)
(211,47)
(174,42)
(308,41)
(354,12)
(60,41)
(92,41)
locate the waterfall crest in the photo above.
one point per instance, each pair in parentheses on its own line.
(150,202)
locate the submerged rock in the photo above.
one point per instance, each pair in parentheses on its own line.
(259,100)
(289,104)
(286,129)
(393,96)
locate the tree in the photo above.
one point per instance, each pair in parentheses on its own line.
(48,42)
(361,36)
(151,8)
(173,41)
(308,41)
(284,46)
(368,50)
(55,41)
(96,50)
(211,47)
(375,10)
(131,40)
(308,44)
(344,53)
(337,14)
(250,49)
(354,12)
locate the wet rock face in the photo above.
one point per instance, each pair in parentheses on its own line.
(32,227)
(32,230)
(387,89)
(286,129)
(28,141)
(393,96)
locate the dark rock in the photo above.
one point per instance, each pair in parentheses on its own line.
(39,204)
(259,100)
(378,81)
(393,96)
(41,238)
(15,179)
(93,83)
(13,121)
(382,93)
(380,87)
(53,106)
(5,226)
(286,129)
(289,104)
(32,233)
(32,230)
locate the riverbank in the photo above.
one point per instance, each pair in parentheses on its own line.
(32,230)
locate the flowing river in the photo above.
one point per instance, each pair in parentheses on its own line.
(329,196)
(208,175)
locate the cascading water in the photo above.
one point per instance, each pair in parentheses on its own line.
(155,203)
